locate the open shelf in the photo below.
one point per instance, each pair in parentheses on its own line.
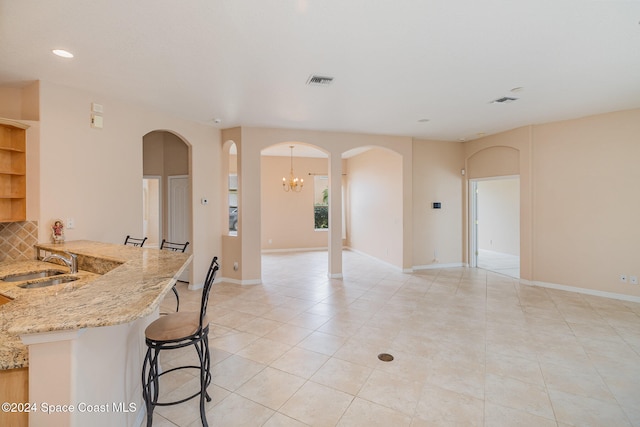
(13,181)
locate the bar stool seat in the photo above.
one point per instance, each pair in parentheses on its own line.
(173,331)
(174,327)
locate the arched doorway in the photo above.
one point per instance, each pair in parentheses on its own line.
(495,225)
(291,220)
(167,189)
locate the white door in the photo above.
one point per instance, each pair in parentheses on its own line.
(179,220)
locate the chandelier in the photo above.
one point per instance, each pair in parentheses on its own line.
(294,184)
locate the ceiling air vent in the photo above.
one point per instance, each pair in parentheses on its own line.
(504,100)
(315,80)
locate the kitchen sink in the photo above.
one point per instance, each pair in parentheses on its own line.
(30,276)
(50,282)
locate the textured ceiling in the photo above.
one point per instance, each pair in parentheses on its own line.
(394,62)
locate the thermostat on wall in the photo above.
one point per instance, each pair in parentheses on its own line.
(436,205)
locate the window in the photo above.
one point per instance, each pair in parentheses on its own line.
(232,188)
(321,202)
(233,203)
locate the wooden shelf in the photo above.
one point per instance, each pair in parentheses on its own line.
(13,173)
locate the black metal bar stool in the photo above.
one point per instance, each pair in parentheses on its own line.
(176,247)
(134,241)
(173,331)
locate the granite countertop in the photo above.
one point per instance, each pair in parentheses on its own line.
(117,284)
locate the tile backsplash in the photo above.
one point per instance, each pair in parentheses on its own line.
(17,240)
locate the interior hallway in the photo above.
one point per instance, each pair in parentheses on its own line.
(471,348)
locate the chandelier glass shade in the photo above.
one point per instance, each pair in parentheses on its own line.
(294,183)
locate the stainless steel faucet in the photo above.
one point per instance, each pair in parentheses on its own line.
(71,262)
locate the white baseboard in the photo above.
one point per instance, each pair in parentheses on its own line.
(271,251)
(240,282)
(388,264)
(592,292)
(436,266)
(195,286)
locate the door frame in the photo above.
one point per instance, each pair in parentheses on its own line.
(473,215)
(473,223)
(160,198)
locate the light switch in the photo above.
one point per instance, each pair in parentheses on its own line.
(96,121)
(97,108)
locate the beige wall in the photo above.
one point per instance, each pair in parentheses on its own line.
(287,219)
(95,175)
(437,237)
(20,103)
(375,209)
(164,154)
(579,200)
(587,201)
(11,103)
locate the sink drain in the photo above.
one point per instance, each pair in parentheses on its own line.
(385,357)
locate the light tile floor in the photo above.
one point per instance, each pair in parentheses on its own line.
(471,348)
(499,262)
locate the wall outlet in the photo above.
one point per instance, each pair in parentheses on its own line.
(633,280)
(623,278)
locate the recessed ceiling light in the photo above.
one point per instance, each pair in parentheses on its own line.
(517,89)
(62,53)
(423,120)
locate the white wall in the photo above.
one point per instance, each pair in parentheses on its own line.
(499,215)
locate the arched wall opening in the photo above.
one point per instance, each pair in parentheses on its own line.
(493,178)
(288,217)
(167,165)
(231,189)
(230,206)
(252,141)
(371,201)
